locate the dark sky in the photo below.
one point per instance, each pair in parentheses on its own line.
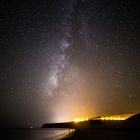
(61,59)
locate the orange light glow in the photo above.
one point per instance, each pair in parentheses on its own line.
(116,117)
(112,118)
(82,119)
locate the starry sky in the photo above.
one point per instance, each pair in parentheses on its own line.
(61,59)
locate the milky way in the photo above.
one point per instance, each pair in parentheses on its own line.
(61,59)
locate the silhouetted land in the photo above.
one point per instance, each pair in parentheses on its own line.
(105,134)
(132,122)
(99,129)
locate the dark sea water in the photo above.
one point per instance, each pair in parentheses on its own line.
(67,134)
(35,134)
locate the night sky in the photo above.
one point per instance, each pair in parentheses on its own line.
(61,59)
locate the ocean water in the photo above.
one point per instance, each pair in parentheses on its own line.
(35,134)
(67,134)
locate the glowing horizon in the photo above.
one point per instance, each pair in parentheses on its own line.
(82,119)
(116,117)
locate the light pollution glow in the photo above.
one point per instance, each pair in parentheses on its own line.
(76,120)
(116,117)
(105,118)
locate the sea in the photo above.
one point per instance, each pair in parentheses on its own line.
(36,134)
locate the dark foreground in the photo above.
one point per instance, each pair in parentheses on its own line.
(65,134)
(34,134)
(105,134)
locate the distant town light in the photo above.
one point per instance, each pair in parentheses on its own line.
(82,119)
(113,118)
